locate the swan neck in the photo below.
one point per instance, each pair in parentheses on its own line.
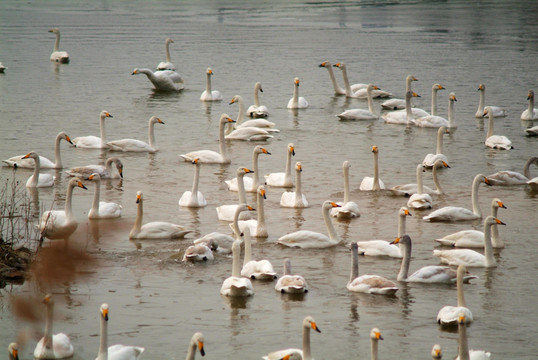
(354,263)
(481,102)
(248,249)
(438,188)
(241,114)
(96,196)
(346,81)
(139,215)
(151,134)
(192,351)
(373,348)
(35,174)
(530,108)
(337,89)
(330,226)
(208,84)
(401,225)
(296,95)
(463,348)
(167,49)
(236,266)
(434,102)
(527,168)
(439,148)
(488,247)
(298,185)
(261,213)
(68,200)
(370,101)
(287,267)
(408,81)
(57,155)
(256,96)
(306,343)
(408,111)
(451,113)
(103,343)
(222,144)
(376,185)
(474,195)
(196,180)
(496,240)
(491,124)
(241,188)
(288,167)
(255,178)
(48,326)
(346,185)
(420,187)
(459,285)
(57,42)
(406,261)
(102,130)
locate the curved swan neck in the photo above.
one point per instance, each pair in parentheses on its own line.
(167,48)
(151,133)
(57,154)
(406,260)
(192,350)
(241,187)
(376,185)
(248,247)
(488,247)
(527,167)
(306,343)
(337,88)
(103,343)
(236,266)
(434,100)
(438,188)
(346,81)
(346,184)
(491,124)
(330,227)
(420,187)
(354,273)
(463,346)
(474,195)
(439,146)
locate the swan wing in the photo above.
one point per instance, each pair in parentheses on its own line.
(260,270)
(28,163)
(393,104)
(130,145)
(433,274)
(357,114)
(499,142)
(248,182)
(372,284)
(367,184)
(162,230)
(379,248)
(295,354)
(205,157)
(306,239)
(395,117)
(88,142)
(259,123)
(249,133)
(109,210)
(507,178)
(451,213)
(464,238)
(198,252)
(430,121)
(277,179)
(430,159)
(458,257)
(124,352)
(448,315)
(346,211)
(420,201)
(291,284)
(237,286)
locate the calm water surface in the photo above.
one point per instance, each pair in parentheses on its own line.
(156,300)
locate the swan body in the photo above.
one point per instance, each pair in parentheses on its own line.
(399,104)
(306,239)
(496,111)
(249,133)
(362,114)
(194,198)
(383,247)
(258,123)
(290,284)
(137,145)
(236,285)
(454,213)
(373,183)
(209,94)
(210,156)
(463,348)
(532,131)
(198,252)
(531,113)
(358,91)
(257,226)
(19,162)
(257,110)
(102,209)
(448,315)
(305,352)
(114,352)
(420,200)
(403,117)
(94,142)
(197,342)
(58,56)
(282,179)
(510,178)
(57,346)
(370,284)
(226,212)
(430,158)
(295,199)
(410,189)
(255,269)
(38,180)
(218,242)
(297,102)
(533,184)
(337,89)
(438,121)
(250,184)
(104,171)
(167,65)
(162,80)
(348,209)
(495,141)
(470,257)
(156,229)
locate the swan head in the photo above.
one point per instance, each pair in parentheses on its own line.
(436,352)
(291,149)
(438,87)
(490,220)
(77,182)
(325,64)
(235,99)
(411,94)
(298,166)
(327,204)
(481,87)
(340,65)
(94,177)
(486,181)
(261,191)
(487,111)
(104,311)
(47,299)
(452,97)
(209,72)
(375,149)
(530,95)
(196,161)
(498,203)
(225,118)
(168,41)
(64,136)
(31,154)
(198,340)
(461,319)
(54,30)
(13,350)
(155,119)
(139,197)
(309,322)
(346,165)
(411,78)
(405,239)
(261,150)
(105,114)
(258,86)
(244,170)
(440,163)
(371,87)
(117,162)
(375,334)
(404,212)
(135,72)
(296,81)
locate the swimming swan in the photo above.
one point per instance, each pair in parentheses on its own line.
(360,91)
(102,209)
(259,123)
(208,94)
(531,113)
(495,141)
(304,353)
(194,198)
(373,183)
(137,145)
(438,121)
(510,178)
(410,189)
(94,142)
(250,184)
(403,117)
(58,56)
(362,114)
(282,179)
(463,348)
(57,346)
(348,209)
(255,269)
(38,180)
(399,104)
(295,199)
(226,212)
(290,284)
(167,65)
(104,171)
(162,80)
(297,102)
(306,239)
(257,110)
(156,229)
(430,158)
(420,200)
(59,224)
(19,162)
(497,111)
(448,315)
(256,226)
(236,285)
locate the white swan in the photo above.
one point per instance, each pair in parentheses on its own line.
(510,178)
(531,113)
(403,117)
(375,336)
(348,209)
(236,285)
(57,346)
(58,56)
(383,247)
(297,102)
(470,257)
(430,158)
(373,183)
(210,156)
(114,352)
(337,89)
(197,342)
(495,141)
(194,198)
(94,142)
(250,184)
(426,274)
(282,179)
(410,189)
(59,224)
(255,269)
(362,114)
(167,65)
(257,110)
(198,252)
(532,131)
(420,113)
(360,89)
(156,229)
(259,123)
(448,315)
(438,121)
(249,133)
(420,200)
(256,226)
(104,171)
(497,111)
(306,239)
(370,284)
(290,284)
(162,80)
(399,104)
(137,145)
(463,348)
(19,162)
(217,242)
(209,94)
(38,180)
(102,209)
(454,213)
(305,352)
(475,238)
(226,212)
(436,352)
(295,199)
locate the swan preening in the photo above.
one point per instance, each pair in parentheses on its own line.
(137,145)
(430,159)
(257,110)
(255,269)
(226,212)
(370,284)
(454,213)
(38,180)
(438,121)
(362,114)
(197,342)
(448,315)
(114,352)
(250,184)
(531,113)
(410,189)
(463,348)
(282,179)
(194,198)
(156,229)
(162,80)
(102,209)
(348,209)
(167,65)
(420,200)
(58,56)
(305,352)
(297,102)
(104,171)
(198,252)
(20,162)
(373,183)
(209,94)
(290,284)
(57,346)
(399,104)
(358,91)
(236,285)
(94,142)
(495,141)
(295,199)
(404,117)
(509,178)
(496,111)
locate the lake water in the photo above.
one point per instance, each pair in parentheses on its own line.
(157,301)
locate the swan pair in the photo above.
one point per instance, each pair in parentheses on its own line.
(250,183)
(236,285)
(373,183)
(337,89)
(94,142)
(358,91)
(58,56)
(52,346)
(291,284)
(399,104)
(295,199)
(305,353)
(410,189)
(430,159)
(20,162)
(134,145)
(38,180)
(438,121)
(162,80)
(297,102)
(362,114)
(104,171)
(495,141)
(208,94)
(194,198)
(531,113)
(102,209)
